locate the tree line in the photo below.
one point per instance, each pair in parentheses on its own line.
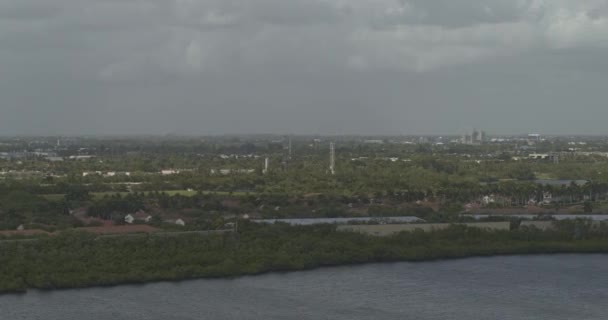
(76,259)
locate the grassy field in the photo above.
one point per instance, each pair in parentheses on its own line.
(544,176)
(187,193)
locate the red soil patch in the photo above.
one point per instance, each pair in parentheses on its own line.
(23,232)
(527,210)
(231,203)
(120,229)
(96,230)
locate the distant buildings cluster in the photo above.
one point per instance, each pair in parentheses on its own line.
(474,137)
(143,217)
(231,171)
(105,174)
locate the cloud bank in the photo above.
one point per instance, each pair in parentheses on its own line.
(302,66)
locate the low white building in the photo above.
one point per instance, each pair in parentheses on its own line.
(178,221)
(81,157)
(539,156)
(488,199)
(129,219)
(231,171)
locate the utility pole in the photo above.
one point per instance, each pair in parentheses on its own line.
(332,158)
(289,148)
(286,153)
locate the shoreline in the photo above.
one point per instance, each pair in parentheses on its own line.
(563,248)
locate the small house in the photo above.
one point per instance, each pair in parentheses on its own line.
(142,216)
(129,219)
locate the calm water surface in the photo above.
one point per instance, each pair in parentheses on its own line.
(311,221)
(514,287)
(594,217)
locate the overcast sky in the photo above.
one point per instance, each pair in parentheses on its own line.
(303,66)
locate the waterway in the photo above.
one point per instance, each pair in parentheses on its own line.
(311,221)
(410,219)
(593,217)
(509,287)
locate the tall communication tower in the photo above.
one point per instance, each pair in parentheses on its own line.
(266,165)
(286,152)
(332,158)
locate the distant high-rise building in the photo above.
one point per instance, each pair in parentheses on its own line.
(480,136)
(534,137)
(474,137)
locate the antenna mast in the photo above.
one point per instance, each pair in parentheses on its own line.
(332,158)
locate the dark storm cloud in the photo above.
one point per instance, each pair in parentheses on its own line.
(302,66)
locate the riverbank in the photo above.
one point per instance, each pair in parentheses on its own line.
(520,287)
(76,260)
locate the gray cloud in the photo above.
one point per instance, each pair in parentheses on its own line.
(302,66)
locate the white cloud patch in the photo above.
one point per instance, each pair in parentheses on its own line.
(408,35)
(417,35)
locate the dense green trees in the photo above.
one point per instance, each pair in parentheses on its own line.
(19,207)
(75,259)
(389,178)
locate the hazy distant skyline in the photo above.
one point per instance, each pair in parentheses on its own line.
(71,67)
